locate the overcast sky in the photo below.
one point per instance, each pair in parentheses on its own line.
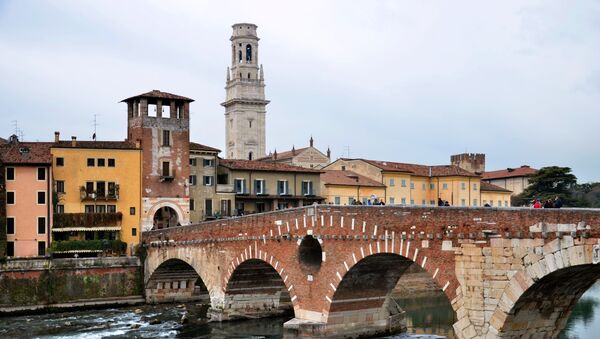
(391,80)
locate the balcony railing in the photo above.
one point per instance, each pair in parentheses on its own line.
(87,220)
(225,188)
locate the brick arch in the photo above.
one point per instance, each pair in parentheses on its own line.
(545,290)
(253,252)
(152,210)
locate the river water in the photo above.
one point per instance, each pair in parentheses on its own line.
(427,317)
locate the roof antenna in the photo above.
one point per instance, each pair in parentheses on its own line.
(95,126)
(348,150)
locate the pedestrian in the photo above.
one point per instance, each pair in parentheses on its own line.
(381,202)
(537,204)
(440,202)
(549,204)
(446,203)
(558,202)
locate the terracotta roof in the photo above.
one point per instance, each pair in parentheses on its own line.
(3,141)
(348,178)
(26,153)
(95,144)
(156,94)
(420,170)
(509,173)
(199,147)
(255,165)
(485,186)
(285,155)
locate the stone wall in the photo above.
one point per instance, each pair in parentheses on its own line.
(48,283)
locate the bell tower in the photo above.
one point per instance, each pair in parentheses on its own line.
(245,104)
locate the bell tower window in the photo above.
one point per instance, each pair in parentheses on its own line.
(240,56)
(250,156)
(248,53)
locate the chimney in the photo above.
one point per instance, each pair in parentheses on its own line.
(275,154)
(73,141)
(311,141)
(56,136)
(328,153)
(293,150)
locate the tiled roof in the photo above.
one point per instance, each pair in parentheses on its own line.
(485,186)
(509,173)
(26,153)
(3,141)
(285,155)
(199,147)
(420,170)
(348,178)
(156,94)
(255,165)
(95,144)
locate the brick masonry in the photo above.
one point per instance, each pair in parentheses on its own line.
(490,263)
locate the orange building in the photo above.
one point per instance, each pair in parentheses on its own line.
(28,177)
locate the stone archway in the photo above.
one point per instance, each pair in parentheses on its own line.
(165,217)
(175,280)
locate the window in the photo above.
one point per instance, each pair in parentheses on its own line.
(444,186)
(249,121)
(474,202)
(111,208)
(392,201)
(424,187)
(248,53)
(208,180)
(100,209)
(337,200)
(134,232)
(41,198)
(282,187)
(192,205)
(474,187)
(41,173)
(192,180)
(41,225)
(423,202)
(41,248)
(505,203)
(463,186)
(412,202)
(89,209)
(91,162)
(463,202)
(208,210)
(131,210)
(403,201)
(111,162)
(89,188)
(10,225)
(10,173)
(60,186)
(259,186)
(350,200)
(431,186)
(60,162)
(499,203)
(208,163)
(10,248)
(344,168)
(403,184)
(166,138)
(250,156)
(431,202)
(392,182)
(112,190)
(60,209)
(192,161)
(365,201)
(412,185)
(10,198)
(240,186)
(166,169)
(101,162)
(100,189)
(307,187)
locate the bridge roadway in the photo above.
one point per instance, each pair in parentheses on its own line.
(508,272)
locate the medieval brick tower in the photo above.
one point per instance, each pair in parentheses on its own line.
(245,104)
(160,122)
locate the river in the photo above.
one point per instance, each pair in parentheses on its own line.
(430,315)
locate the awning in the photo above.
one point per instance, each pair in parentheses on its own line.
(84,229)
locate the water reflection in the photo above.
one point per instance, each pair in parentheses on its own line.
(584,321)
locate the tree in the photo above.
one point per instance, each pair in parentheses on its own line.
(548,183)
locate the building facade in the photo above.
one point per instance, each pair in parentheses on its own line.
(346,187)
(206,201)
(28,197)
(412,184)
(98,190)
(494,196)
(263,187)
(512,179)
(159,121)
(307,157)
(245,104)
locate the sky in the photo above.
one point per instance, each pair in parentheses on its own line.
(407,81)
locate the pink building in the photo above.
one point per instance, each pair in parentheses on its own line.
(28,177)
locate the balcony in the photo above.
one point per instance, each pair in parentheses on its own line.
(225,188)
(111,195)
(75,222)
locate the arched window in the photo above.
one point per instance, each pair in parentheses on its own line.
(240,55)
(250,156)
(248,53)
(248,75)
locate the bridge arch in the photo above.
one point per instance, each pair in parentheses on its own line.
(539,298)
(174,280)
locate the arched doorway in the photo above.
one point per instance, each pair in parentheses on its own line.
(165,217)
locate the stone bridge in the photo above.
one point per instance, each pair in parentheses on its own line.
(507,272)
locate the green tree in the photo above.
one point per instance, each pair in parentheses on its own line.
(548,183)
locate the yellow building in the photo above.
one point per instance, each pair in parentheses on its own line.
(411,184)
(98,189)
(344,187)
(494,196)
